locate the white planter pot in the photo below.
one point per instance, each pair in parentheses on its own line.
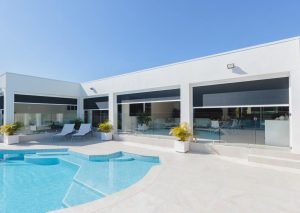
(181,146)
(142,127)
(33,128)
(10,139)
(106,136)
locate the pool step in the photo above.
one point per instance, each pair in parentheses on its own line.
(79,194)
(44,158)
(275,161)
(12,157)
(51,153)
(89,187)
(123,158)
(40,160)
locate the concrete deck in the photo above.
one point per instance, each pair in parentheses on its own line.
(190,182)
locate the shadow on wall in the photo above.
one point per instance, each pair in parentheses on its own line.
(238,70)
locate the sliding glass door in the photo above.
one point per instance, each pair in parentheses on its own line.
(251,112)
(99,116)
(149,113)
(96,110)
(239,124)
(156,118)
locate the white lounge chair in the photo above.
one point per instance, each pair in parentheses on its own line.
(84,130)
(215,124)
(66,130)
(235,124)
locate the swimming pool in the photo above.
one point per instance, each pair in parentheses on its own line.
(37,181)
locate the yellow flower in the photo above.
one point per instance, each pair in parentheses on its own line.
(182,132)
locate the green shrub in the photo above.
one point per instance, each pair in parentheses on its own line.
(10,129)
(105,127)
(182,132)
(19,125)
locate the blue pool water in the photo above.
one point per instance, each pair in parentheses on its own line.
(37,181)
(207,134)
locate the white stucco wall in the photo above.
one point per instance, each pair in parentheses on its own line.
(295,105)
(30,85)
(272,59)
(277,59)
(24,84)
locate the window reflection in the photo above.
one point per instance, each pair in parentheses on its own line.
(236,124)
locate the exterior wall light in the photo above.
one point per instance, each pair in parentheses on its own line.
(93,89)
(230,66)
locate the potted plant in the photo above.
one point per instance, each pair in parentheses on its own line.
(183,133)
(8,132)
(143,121)
(106,131)
(77,123)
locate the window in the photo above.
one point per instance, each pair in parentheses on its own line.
(71,108)
(148,109)
(136,109)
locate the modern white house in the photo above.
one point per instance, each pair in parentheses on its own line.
(249,95)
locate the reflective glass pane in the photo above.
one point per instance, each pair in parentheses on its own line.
(152,119)
(246,125)
(43,117)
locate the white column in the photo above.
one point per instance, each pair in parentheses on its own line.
(126,120)
(186,104)
(225,113)
(295,112)
(80,108)
(9,107)
(26,119)
(38,119)
(113,110)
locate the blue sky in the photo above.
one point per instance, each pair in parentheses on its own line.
(90,39)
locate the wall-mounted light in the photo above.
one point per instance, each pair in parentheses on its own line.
(93,89)
(230,66)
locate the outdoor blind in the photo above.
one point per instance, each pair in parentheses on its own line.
(96,103)
(162,95)
(260,92)
(44,99)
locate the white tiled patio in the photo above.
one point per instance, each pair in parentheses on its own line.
(190,182)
